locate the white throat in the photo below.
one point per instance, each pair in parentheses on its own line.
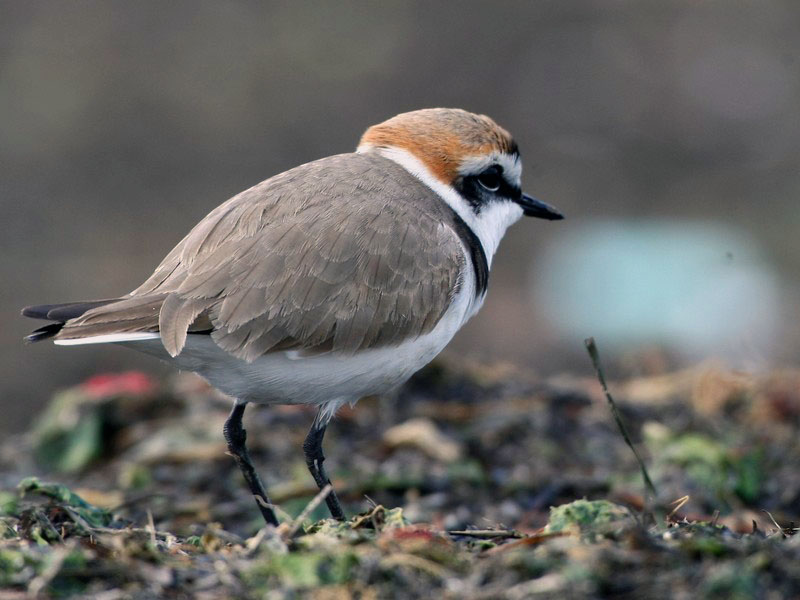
(490,225)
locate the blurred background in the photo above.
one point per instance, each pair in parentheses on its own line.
(668,131)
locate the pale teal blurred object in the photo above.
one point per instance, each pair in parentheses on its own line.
(700,289)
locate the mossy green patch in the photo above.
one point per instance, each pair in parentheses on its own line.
(587,516)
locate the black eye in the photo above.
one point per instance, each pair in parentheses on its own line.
(490,179)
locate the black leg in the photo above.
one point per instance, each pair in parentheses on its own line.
(236,437)
(312,448)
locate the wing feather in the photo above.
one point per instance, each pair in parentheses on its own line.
(312,260)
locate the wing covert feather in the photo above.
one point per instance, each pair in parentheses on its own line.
(342,254)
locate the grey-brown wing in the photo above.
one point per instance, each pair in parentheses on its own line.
(342,254)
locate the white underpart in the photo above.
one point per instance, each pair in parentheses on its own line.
(109,339)
(493,220)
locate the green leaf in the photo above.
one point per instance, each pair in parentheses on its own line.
(93,515)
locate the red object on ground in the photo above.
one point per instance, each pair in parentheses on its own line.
(129,383)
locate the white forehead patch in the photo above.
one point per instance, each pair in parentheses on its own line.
(512,166)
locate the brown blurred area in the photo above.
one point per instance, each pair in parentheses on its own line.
(122,124)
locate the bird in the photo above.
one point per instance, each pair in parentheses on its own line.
(331,281)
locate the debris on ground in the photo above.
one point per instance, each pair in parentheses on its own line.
(473,483)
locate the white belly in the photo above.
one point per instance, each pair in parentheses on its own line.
(285,378)
(280,378)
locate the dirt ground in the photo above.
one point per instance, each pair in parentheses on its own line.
(474,481)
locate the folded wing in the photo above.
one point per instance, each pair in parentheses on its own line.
(342,254)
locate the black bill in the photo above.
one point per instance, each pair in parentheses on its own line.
(537,208)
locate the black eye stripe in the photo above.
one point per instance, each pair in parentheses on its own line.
(485,187)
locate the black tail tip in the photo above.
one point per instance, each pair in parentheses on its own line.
(44,333)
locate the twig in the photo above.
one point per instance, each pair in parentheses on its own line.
(151,528)
(315,502)
(785,531)
(274,507)
(531,540)
(130,530)
(77,519)
(678,504)
(592,349)
(488,534)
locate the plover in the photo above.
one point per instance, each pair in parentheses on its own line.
(331,281)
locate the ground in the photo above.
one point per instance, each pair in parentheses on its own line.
(474,481)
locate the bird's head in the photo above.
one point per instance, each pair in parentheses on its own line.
(457,151)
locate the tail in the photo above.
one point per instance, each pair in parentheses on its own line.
(60,313)
(97,320)
(126,319)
